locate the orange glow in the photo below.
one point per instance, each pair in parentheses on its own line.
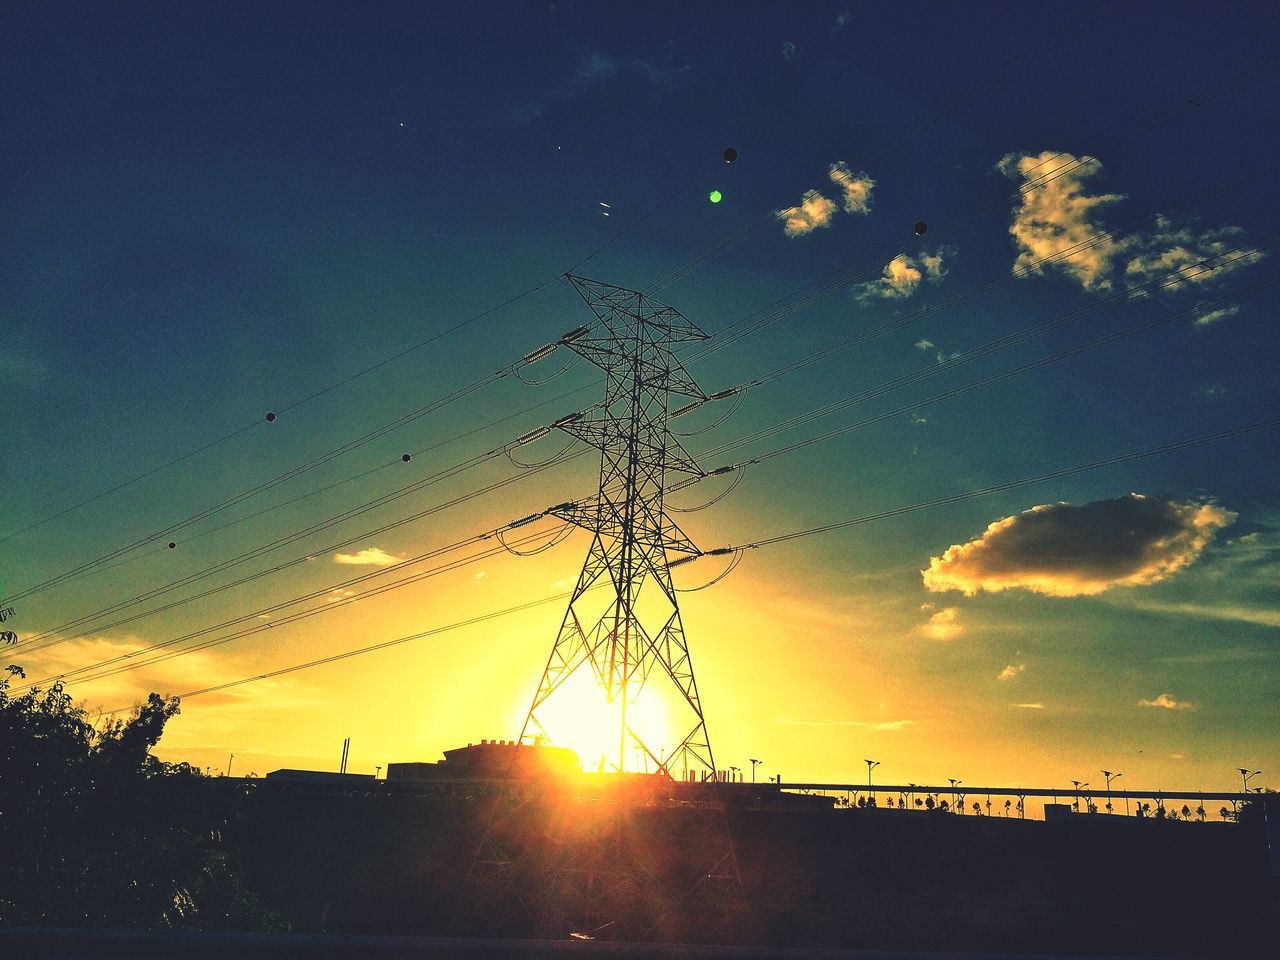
(580,717)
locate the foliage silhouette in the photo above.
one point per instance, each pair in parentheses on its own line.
(95,831)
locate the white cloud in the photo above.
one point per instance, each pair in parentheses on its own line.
(842,21)
(813,211)
(1062,550)
(1166,702)
(789,50)
(1029,706)
(1009,672)
(918,420)
(923,344)
(855,188)
(370,556)
(902,277)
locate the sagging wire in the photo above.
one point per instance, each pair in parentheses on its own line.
(698,402)
(732,565)
(539,381)
(738,395)
(556,538)
(741,472)
(562,454)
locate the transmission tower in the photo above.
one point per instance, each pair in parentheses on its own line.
(638,640)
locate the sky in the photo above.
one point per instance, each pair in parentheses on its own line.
(342,214)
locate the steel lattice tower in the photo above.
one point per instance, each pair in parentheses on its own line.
(639,639)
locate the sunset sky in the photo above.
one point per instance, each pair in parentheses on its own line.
(215,212)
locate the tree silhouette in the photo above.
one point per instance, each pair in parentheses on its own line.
(1007,805)
(98,832)
(928,802)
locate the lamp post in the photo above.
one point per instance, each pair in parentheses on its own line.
(1246,776)
(871,765)
(1110,776)
(1075,804)
(733,771)
(229,759)
(954,783)
(754,762)
(377,771)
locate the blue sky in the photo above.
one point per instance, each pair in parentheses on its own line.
(214,212)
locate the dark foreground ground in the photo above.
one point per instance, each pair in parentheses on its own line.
(127,945)
(546,868)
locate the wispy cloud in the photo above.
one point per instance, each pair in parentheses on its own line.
(1068,551)
(869,724)
(923,344)
(789,50)
(842,21)
(1011,671)
(1213,316)
(370,556)
(1029,706)
(594,71)
(1166,702)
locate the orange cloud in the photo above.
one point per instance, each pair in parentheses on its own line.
(813,211)
(854,187)
(1068,551)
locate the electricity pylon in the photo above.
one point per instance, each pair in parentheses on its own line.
(639,639)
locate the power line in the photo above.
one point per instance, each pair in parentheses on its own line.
(1267,424)
(1163,114)
(397,462)
(948,394)
(968,356)
(434,338)
(48,636)
(1054,39)
(330,604)
(984,350)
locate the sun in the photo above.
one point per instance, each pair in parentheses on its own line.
(579,716)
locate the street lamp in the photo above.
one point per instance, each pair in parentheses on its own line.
(1110,776)
(733,773)
(753,769)
(871,765)
(1246,776)
(377,771)
(954,783)
(1075,806)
